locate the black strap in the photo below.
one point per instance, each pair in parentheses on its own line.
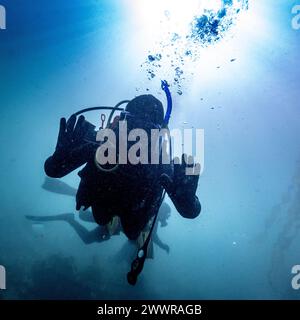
(137,264)
(97,108)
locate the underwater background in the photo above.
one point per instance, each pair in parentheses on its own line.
(237,78)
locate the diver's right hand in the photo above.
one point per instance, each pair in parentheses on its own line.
(73,148)
(71,136)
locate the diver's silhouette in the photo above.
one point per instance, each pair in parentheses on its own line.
(130,192)
(99,234)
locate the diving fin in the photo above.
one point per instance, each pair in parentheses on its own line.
(57,186)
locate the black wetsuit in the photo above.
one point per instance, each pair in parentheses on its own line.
(132,192)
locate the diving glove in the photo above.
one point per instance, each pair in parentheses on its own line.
(182,186)
(72,134)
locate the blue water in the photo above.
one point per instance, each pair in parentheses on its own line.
(56,58)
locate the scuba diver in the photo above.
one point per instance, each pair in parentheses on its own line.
(131,192)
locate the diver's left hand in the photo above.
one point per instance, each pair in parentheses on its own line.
(184,182)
